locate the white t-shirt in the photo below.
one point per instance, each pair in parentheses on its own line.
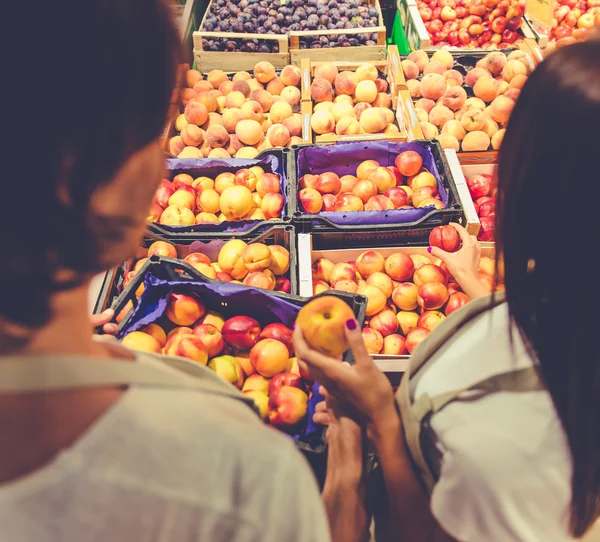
(506,467)
(169,466)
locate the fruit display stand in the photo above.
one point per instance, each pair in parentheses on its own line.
(388,226)
(179,307)
(314,262)
(209,245)
(320,86)
(376,51)
(184,174)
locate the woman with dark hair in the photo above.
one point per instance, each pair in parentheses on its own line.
(495,432)
(98,443)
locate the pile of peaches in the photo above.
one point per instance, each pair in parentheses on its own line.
(241,116)
(483,192)
(373,188)
(351,102)
(257,265)
(247,194)
(446,111)
(257,360)
(408,295)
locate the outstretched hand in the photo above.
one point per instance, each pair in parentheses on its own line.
(362,385)
(463,265)
(104,320)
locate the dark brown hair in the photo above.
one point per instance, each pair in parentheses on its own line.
(548,210)
(86,84)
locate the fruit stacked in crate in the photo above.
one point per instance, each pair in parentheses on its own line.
(247,194)
(409,292)
(373,187)
(483,190)
(257,265)
(484,24)
(259,360)
(239,116)
(574,19)
(465,107)
(351,102)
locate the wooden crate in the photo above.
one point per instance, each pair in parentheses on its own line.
(389,67)
(237,61)
(331,54)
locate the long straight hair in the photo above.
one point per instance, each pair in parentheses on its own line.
(548,228)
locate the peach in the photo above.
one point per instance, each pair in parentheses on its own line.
(420,58)
(323,324)
(497,139)
(454,128)
(188,346)
(379,203)
(272,205)
(475,74)
(308,181)
(346,82)
(311,200)
(474,103)
(389,114)
(328,183)
(453,77)
(235,99)
(385,322)
(410,69)
(440,115)
(374,120)
(405,295)
(206,270)
(495,62)
(280,111)
(517,82)
(326,71)
(366,91)
(407,320)
(367,72)
(414,88)
(455,302)
(223,181)
(249,132)
(219,153)
(268,184)
(486,88)
(208,201)
(383,178)
(501,108)
(448,141)
(342,271)
(280,260)
(476,141)
(203,86)
(429,273)
(196,113)
(291,95)
(290,75)
(424,193)
(174,215)
(187,94)
(162,248)
(329,201)
(376,299)
(216,77)
(192,135)
(139,340)
(230,258)
(256,382)
(348,126)
(513,94)
(370,262)
(197,257)
(264,72)
(429,130)
(434,67)
(227,86)
(432,295)
(208,100)
(322,122)
(257,279)
(344,285)
(323,106)
(373,340)
(425,104)
(321,90)
(183,198)
(342,98)
(294,124)
(257,257)
(320,286)
(176,146)
(473,120)
(394,345)
(217,136)
(348,202)
(444,57)
(202,183)
(512,69)
(211,338)
(247,177)
(231,117)
(365,190)
(247,152)
(364,169)
(433,202)
(183,310)
(382,281)
(343,109)
(430,320)
(278,135)
(274,87)
(252,110)
(415,337)
(399,266)
(490,127)
(236,201)
(264,98)
(287,408)
(423,179)
(454,98)
(433,86)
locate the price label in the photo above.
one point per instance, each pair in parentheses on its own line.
(540,11)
